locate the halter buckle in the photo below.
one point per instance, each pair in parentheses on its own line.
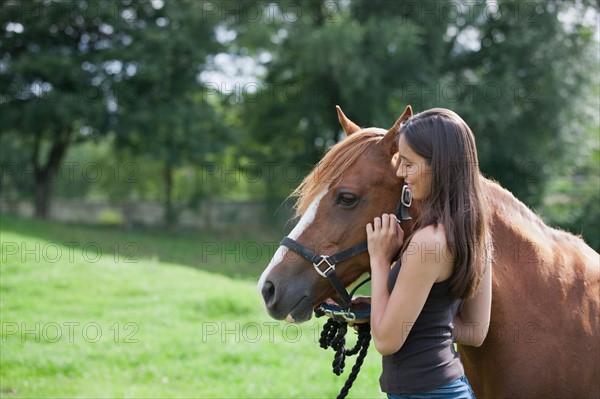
(324,258)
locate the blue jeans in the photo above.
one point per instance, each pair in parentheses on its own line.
(457,389)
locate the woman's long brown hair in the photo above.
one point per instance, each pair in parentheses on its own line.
(456,200)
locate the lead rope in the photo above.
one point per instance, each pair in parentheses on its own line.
(334,336)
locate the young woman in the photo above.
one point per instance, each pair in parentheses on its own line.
(439,292)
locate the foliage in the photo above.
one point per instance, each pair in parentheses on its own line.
(526,88)
(75,71)
(572,197)
(165,118)
(294,110)
(55,76)
(488,63)
(236,100)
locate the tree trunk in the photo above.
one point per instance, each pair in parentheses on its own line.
(170,217)
(44,174)
(42,193)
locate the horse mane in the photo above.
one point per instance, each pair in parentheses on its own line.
(330,169)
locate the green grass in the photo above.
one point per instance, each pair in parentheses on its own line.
(93,320)
(238,254)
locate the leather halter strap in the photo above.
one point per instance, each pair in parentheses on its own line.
(332,260)
(329,261)
(312,257)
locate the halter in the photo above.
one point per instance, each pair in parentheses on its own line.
(325,264)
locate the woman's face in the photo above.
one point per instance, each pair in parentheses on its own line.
(414,169)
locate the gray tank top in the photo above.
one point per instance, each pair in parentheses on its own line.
(427,360)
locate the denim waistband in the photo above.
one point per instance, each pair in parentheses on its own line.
(457,389)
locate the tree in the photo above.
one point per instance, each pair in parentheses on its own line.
(323,54)
(521,70)
(165,115)
(511,70)
(74,71)
(515,71)
(54,74)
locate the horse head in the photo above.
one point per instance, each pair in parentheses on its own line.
(353,183)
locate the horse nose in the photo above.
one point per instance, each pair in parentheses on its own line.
(268,293)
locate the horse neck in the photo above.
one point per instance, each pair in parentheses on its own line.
(524,240)
(511,213)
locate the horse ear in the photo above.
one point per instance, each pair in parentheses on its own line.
(390,140)
(348,126)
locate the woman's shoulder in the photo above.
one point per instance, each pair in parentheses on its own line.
(431,234)
(429,246)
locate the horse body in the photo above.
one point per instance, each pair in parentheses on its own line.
(543,337)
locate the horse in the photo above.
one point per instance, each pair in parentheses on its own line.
(543,337)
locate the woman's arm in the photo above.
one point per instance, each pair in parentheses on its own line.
(471,324)
(392,316)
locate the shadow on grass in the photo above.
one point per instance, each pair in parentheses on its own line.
(236,253)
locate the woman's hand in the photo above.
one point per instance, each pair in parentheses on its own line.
(384,239)
(357,302)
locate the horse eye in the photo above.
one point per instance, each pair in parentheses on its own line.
(346,199)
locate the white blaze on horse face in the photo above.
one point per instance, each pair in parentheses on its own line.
(303,223)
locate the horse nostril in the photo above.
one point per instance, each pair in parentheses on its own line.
(268,292)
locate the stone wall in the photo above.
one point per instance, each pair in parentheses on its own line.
(209,215)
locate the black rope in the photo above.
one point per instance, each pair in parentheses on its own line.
(334,336)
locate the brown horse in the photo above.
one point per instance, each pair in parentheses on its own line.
(543,339)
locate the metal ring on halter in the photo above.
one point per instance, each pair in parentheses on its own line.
(406,197)
(326,260)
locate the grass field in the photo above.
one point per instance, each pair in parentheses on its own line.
(96,312)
